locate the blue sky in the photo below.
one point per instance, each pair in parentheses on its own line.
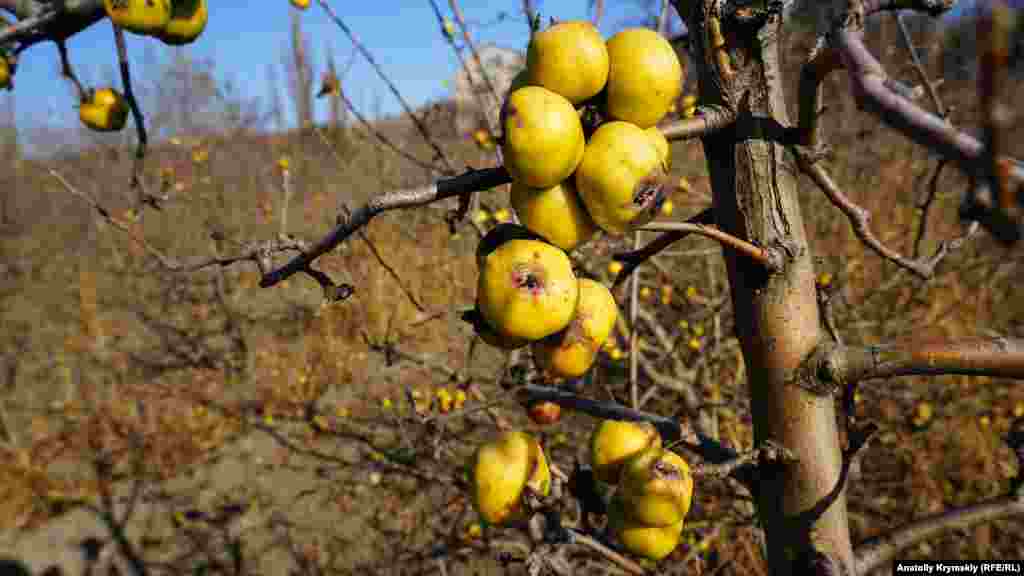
(244,37)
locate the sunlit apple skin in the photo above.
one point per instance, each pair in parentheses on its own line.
(644,78)
(488,334)
(501,470)
(571,352)
(662,145)
(556,213)
(614,442)
(652,542)
(527,289)
(188,20)
(104,111)
(148,17)
(543,137)
(569,58)
(656,487)
(621,180)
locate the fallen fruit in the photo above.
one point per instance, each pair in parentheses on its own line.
(188,20)
(654,542)
(644,77)
(570,59)
(621,179)
(501,470)
(556,213)
(656,487)
(105,110)
(571,352)
(543,137)
(147,17)
(614,442)
(527,289)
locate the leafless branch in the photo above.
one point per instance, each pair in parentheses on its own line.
(707,121)
(872,553)
(471,181)
(860,220)
(770,258)
(994,357)
(144,198)
(632,260)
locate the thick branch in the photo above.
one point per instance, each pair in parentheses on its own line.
(707,121)
(995,357)
(872,553)
(472,181)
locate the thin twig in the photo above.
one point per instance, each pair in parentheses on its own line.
(770,259)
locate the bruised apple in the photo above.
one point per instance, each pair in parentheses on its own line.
(656,487)
(570,59)
(527,289)
(543,137)
(501,470)
(571,352)
(614,442)
(556,213)
(653,542)
(622,179)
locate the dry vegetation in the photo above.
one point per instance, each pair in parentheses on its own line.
(306,424)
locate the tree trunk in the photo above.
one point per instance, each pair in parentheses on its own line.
(754,185)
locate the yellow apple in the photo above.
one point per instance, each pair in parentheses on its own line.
(543,137)
(621,179)
(571,352)
(555,213)
(653,542)
(527,289)
(614,442)
(656,487)
(105,110)
(569,58)
(188,20)
(300,4)
(147,17)
(644,77)
(661,143)
(488,334)
(501,470)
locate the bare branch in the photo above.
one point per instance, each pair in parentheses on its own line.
(860,220)
(994,357)
(922,74)
(144,197)
(872,553)
(471,181)
(632,260)
(771,259)
(707,121)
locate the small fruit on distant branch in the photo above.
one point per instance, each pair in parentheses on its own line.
(527,289)
(448,29)
(571,352)
(644,76)
(570,59)
(104,110)
(621,179)
(329,85)
(500,472)
(545,413)
(188,20)
(656,487)
(148,17)
(543,137)
(614,442)
(653,542)
(556,213)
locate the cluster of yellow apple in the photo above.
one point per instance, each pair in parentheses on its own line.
(653,486)
(653,491)
(174,22)
(568,184)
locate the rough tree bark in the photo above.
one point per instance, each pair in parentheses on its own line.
(801,505)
